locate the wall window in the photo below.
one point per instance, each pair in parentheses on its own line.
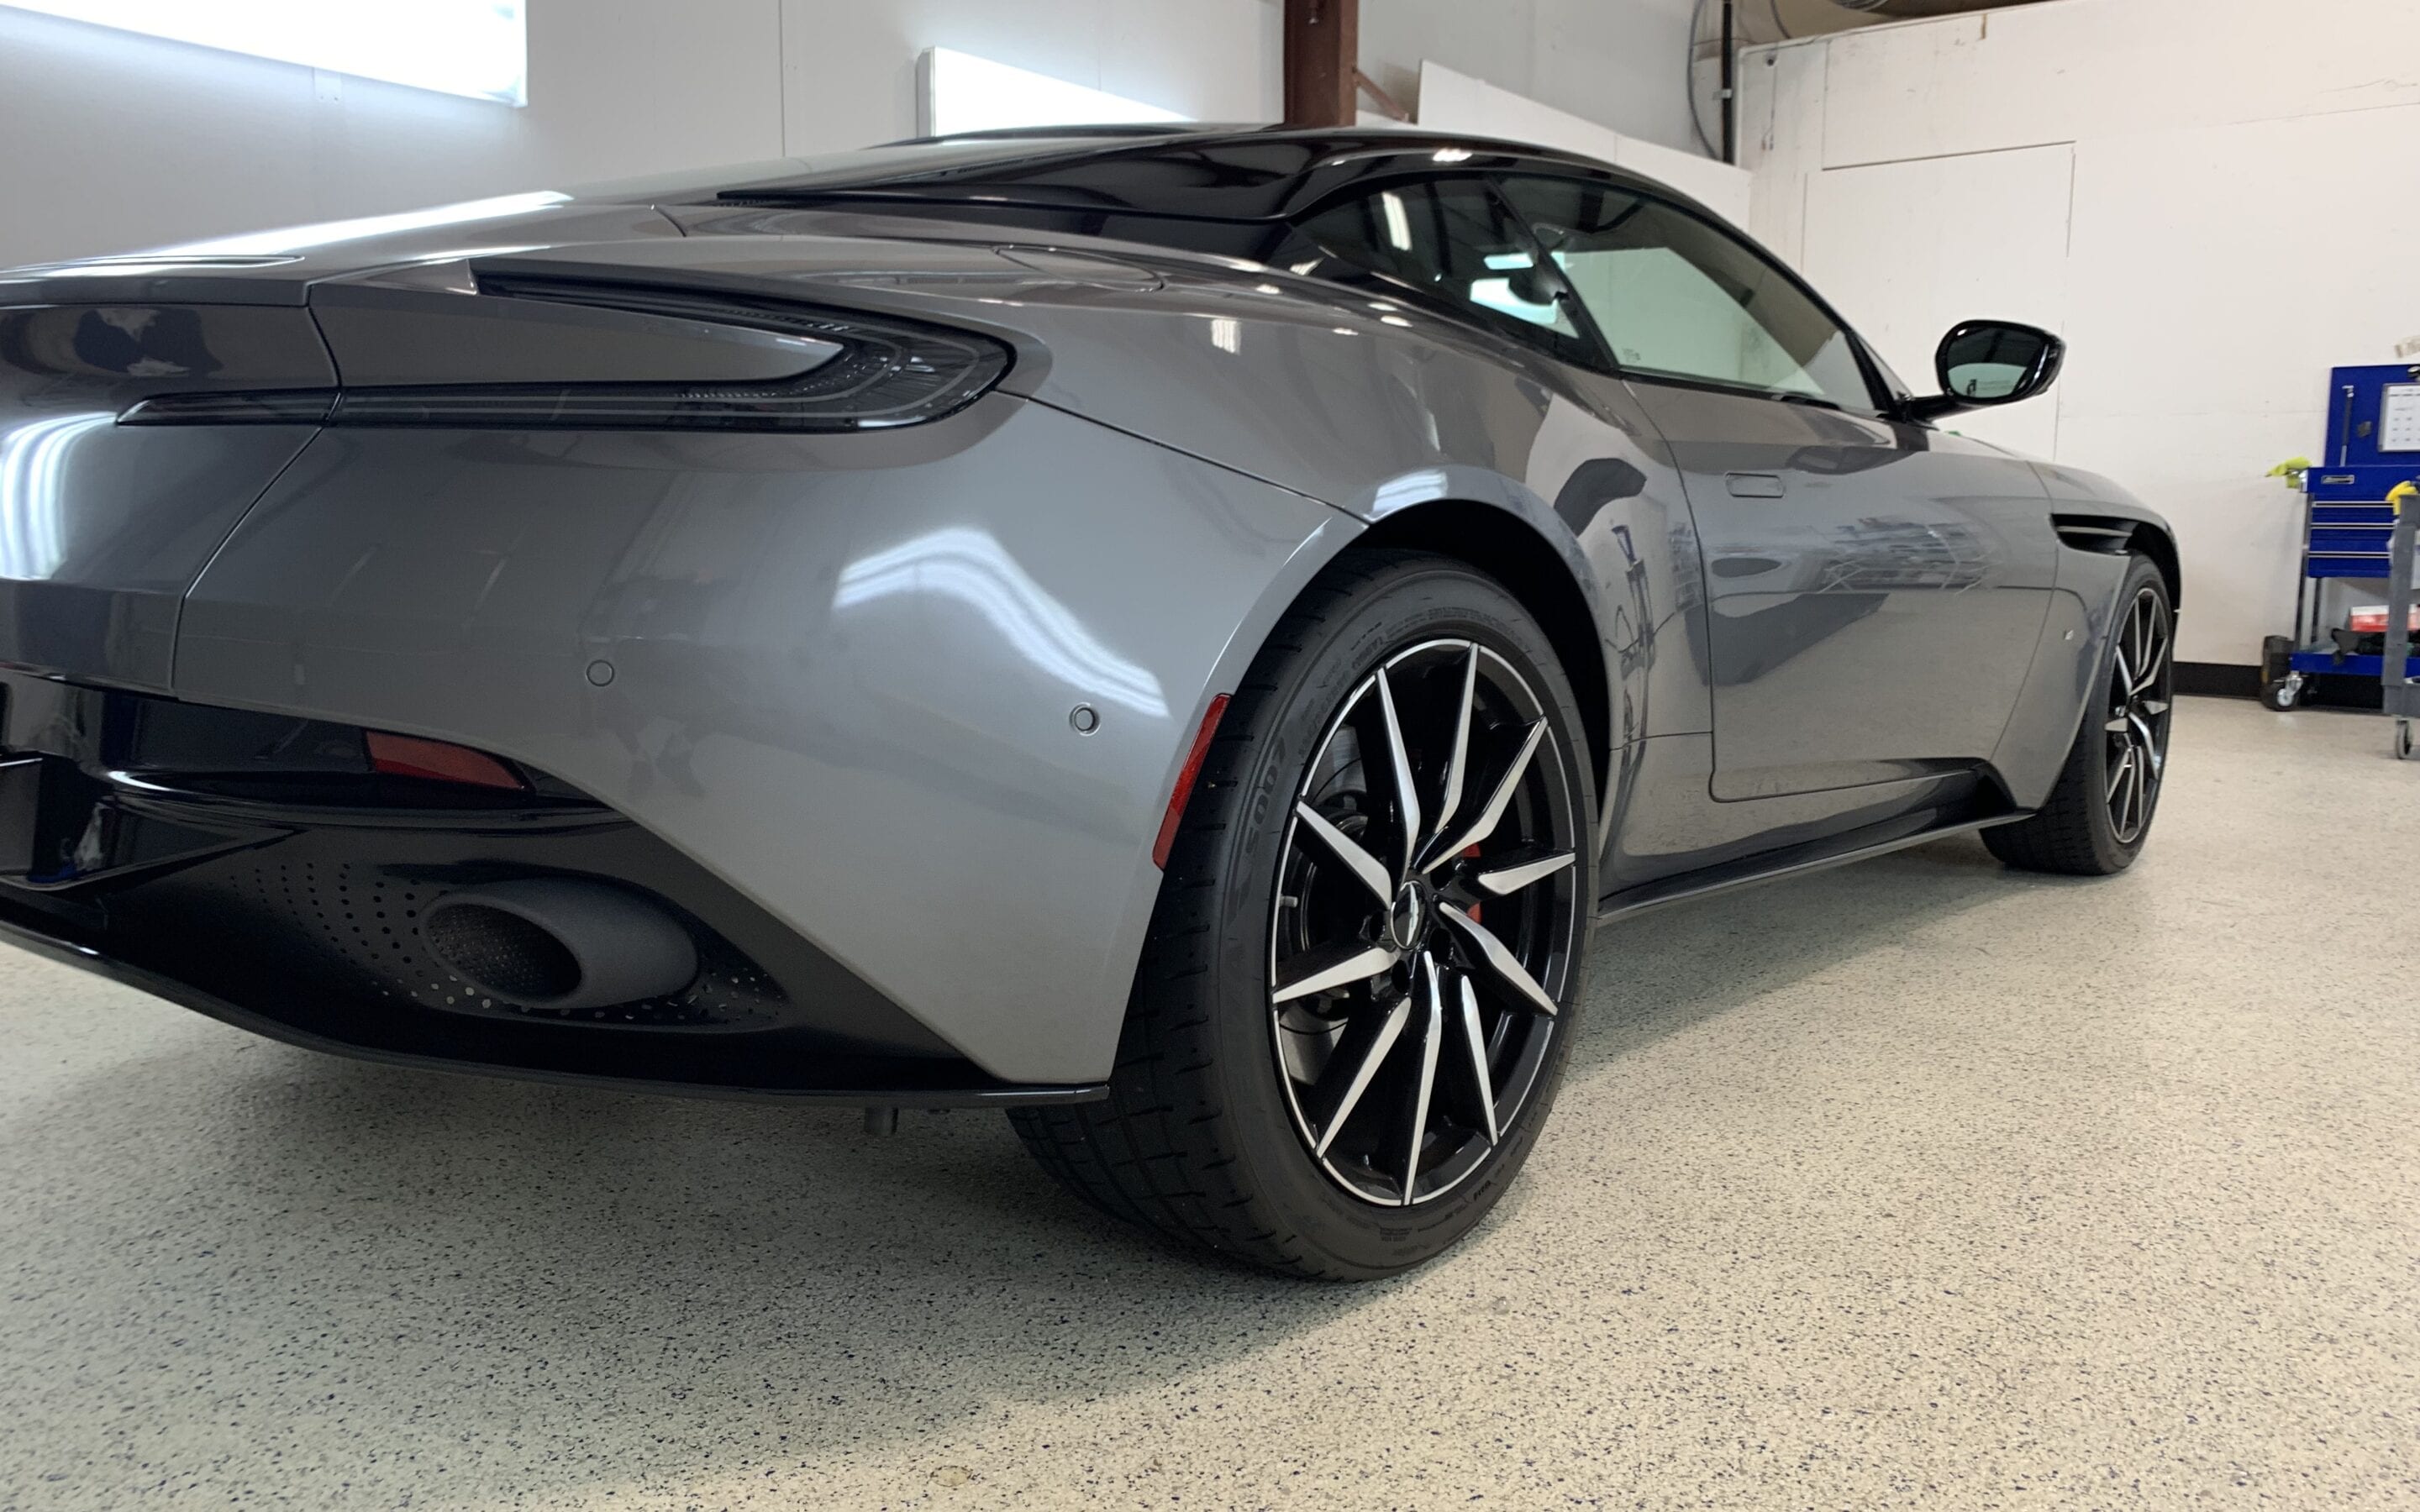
(479,48)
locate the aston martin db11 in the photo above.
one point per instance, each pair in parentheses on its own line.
(1178,634)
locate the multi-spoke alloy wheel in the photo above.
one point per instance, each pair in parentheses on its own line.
(2137,727)
(2099,813)
(1361,977)
(1422,922)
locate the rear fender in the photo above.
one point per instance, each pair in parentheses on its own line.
(837,670)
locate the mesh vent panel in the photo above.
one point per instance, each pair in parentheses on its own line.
(501,952)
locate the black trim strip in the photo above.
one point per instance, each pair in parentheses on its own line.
(2217,679)
(1796,860)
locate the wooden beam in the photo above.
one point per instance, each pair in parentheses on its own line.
(1323,54)
(1387,104)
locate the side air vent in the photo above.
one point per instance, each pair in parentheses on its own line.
(2103,533)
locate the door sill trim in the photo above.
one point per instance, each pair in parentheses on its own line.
(1790,861)
(1933,771)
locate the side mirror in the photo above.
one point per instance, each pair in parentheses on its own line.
(1985,363)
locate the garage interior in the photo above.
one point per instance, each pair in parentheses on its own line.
(1921,1182)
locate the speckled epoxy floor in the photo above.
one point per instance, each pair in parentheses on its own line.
(1916,1184)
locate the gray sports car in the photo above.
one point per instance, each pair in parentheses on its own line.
(1176,634)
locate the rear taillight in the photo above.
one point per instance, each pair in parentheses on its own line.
(854,371)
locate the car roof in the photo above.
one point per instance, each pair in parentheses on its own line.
(1236,172)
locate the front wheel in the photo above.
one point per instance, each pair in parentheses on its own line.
(2099,813)
(1362,974)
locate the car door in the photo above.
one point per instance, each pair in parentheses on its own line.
(1875,589)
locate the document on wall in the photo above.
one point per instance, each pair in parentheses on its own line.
(2399,426)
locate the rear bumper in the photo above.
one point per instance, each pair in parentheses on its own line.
(45,939)
(287,898)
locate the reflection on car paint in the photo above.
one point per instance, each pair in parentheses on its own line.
(1411,488)
(146,341)
(33,462)
(337,233)
(969,566)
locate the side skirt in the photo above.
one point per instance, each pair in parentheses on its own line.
(1796,860)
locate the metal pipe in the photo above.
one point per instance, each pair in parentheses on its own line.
(1781,21)
(1910,9)
(1730,83)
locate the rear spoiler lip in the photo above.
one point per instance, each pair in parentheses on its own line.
(284,275)
(200,286)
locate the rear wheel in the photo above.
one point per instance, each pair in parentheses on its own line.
(1359,985)
(2099,813)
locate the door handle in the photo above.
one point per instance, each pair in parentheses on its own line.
(1754,485)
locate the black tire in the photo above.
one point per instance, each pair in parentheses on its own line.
(1203,1138)
(2094,825)
(2281,696)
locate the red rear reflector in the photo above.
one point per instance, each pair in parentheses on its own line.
(1184,779)
(408,756)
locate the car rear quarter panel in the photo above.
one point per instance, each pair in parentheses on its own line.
(1370,404)
(838,670)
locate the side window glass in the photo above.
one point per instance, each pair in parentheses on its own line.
(1452,241)
(1677,297)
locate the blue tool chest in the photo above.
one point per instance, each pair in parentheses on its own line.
(2373,445)
(2350,520)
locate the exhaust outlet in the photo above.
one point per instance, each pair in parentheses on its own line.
(559,942)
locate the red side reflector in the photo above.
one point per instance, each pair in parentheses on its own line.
(1185,780)
(408,756)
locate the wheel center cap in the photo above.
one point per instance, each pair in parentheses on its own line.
(1408,917)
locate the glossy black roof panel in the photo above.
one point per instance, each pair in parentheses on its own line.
(1220,173)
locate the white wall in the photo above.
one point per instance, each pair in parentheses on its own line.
(1618,63)
(117,142)
(849,75)
(2216,201)
(1454,101)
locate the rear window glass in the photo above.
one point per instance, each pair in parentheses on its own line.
(1454,242)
